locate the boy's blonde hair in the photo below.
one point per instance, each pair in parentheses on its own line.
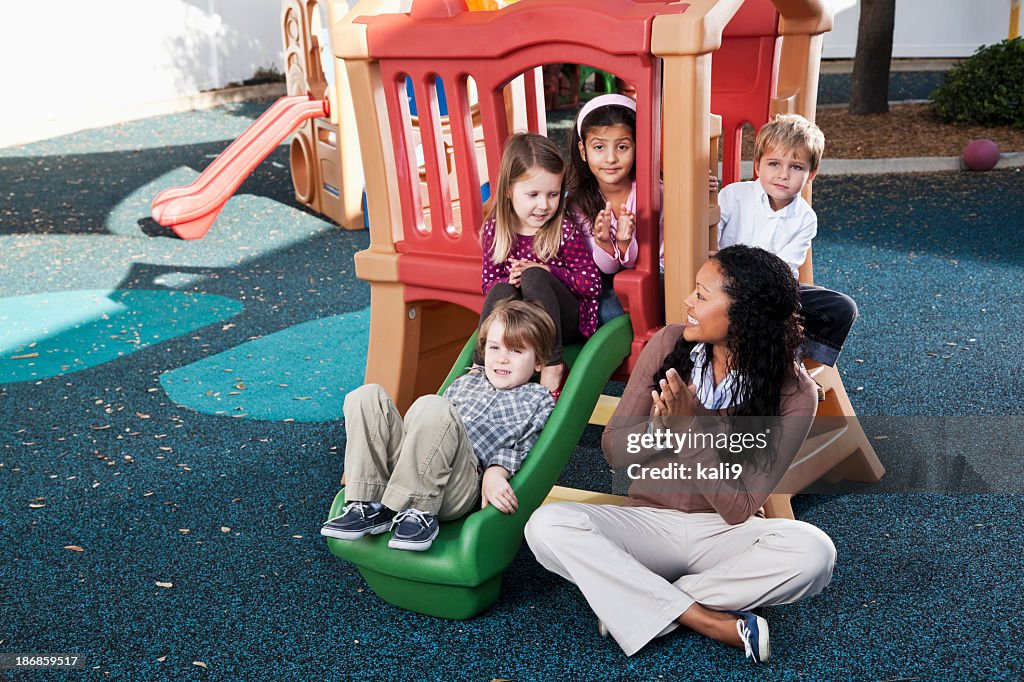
(526,326)
(790,132)
(524,152)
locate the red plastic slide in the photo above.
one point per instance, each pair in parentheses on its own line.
(190,210)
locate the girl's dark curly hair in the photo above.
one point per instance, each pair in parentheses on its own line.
(584,194)
(764,334)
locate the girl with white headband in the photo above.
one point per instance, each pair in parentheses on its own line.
(602,195)
(602,199)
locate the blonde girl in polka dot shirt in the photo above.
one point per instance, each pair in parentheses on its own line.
(533,251)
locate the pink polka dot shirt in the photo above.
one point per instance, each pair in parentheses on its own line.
(573,266)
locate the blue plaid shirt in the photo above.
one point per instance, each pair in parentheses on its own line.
(502,424)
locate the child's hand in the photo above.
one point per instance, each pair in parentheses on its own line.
(516,268)
(603,227)
(495,490)
(712,182)
(625,228)
(515,271)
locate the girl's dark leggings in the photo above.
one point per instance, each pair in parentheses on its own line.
(540,287)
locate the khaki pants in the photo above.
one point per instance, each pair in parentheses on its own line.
(425,462)
(640,568)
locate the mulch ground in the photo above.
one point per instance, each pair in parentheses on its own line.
(907,130)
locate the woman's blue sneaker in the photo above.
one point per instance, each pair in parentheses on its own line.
(754,633)
(414,530)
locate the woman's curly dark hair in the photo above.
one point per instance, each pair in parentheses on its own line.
(764,334)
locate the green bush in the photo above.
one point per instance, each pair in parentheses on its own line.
(986,89)
(266,74)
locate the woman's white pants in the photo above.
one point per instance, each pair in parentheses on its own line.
(640,568)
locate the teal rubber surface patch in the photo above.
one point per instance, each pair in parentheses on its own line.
(301,373)
(55,333)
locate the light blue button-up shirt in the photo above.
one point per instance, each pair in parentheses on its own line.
(710,396)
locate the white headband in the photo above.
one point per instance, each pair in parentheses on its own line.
(602,101)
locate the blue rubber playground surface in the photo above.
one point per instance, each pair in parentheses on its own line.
(172,439)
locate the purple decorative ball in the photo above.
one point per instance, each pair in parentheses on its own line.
(981,155)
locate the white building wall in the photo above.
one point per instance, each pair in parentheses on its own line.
(69,64)
(928,28)
(72,64)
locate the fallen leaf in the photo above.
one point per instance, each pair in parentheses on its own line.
(297,537)
(199,663)
(881,437)
(160,584)
(100,428)
(225,529)
(162,659)
(74,548)
(147,494)
(36,505)
(184,531)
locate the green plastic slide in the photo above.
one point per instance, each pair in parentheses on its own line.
(460,575)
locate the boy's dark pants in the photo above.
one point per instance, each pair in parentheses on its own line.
(828,317)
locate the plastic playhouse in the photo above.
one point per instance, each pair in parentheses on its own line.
(191,210)
(701,70)
(323,153)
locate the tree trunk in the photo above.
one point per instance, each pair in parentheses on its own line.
(869,90)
